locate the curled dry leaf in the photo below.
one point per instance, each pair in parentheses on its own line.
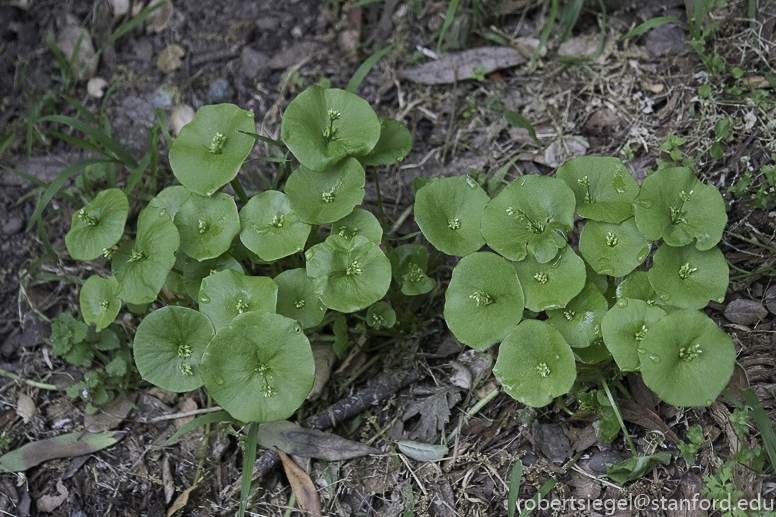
(460,66)
(324,357)
(181,501)
(159,20)
(96,87)
(49,503)
(25,407)
(745,312)
(309,443)
(181,115)
(170,58)
(109,415)
(563,149)
(302,486)
(85,65)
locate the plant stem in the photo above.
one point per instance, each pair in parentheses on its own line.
(34,384)
(290,505)
(619,416)
(238,189)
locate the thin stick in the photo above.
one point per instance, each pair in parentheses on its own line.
(34,384)
(173,416)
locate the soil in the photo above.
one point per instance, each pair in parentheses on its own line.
(259,54)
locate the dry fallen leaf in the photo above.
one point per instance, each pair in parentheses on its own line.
(745,312)
(49,503)
(169,485)
(181,115)
(25,407)
(302,485)
(639,415)
(159,20)
(120,7)
(563,149)
(310,443)
(461,375)
(324,356)
(460,66)
(170,58)
(109,416)
(188,405)
(85,65)
(181,501)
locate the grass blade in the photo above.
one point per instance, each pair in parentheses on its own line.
(619,416)
(128,26)
(249,458)
(651,24)
(449,15)
(514,487)
(547,29)
(210,418)
(364,69)
(266,140)
(543,491)
(361,3)
(569,17)
(40,183)
(80,142)
(6,142)
(763,425)
(517,120)
(137,173)
(98,136)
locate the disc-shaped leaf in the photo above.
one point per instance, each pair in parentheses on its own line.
(613,249)
(171,199)
(394,144)
(580,321)
(597,279)
(269,227)
(323,126)
(687,359)
(319,198)
(535,364)
(603,187)
(168,347)
(99,301)
(260,368)
(207,225)
(348,275)
(194,271)
(551,285)
(449,213)
(625,326)
(226,294)
(675,205)
(526,216)
(142,269)
(297,299)
(594,354)
(97,226)
(358,222)
(484,301)
(174,282)
(380,315)
(688,278)
(636,285)
(210,149)
(409,263)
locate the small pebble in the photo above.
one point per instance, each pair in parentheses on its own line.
(220,91)
(13,226)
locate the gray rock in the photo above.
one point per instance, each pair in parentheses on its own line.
(220,91)
(13,225)
(598,461)
(552,441)
(144,50)
(267,24)
(162,100)
(666,39)
(254,63)
(293,55)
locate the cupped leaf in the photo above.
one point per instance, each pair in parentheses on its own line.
(348,275)
(535,364)
(210,150)
(168,347)
(484,301)
(551,285)
(380,315)
(603,187)
(358,222)
(580,321)
(526,217)
(142,268)
(297,299)
(613,249)
(449,213)
(687,359)
(269,227)
(171,199)
(174,282)
(594,354)
(409,263)
(624,328)
(99,301)
(319,198)
(97,226)
(207,225)
(394,144)
(260,368)
(323,126)
(636,285)
(675,205)
(597,279)
(194,271)
(227,294)
(688,278)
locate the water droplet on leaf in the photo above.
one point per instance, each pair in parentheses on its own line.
(204,299)
(219,380)
(645,203)
(622,302)
(655,359)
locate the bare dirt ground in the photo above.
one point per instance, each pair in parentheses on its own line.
(258,55)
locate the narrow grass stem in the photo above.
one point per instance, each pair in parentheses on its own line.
(34,384)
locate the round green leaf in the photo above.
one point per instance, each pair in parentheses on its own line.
(348,275)
(226,294)
(380,315)
(687,359)
(594,354)
(142,269)
(535,364)
(613,249)
(599,280)
(97,226)
(409,263)
(484,301)
(194,271)
(688,278)
(625,326)
(528,214)
(551,285)
(323,126)
(99,300)
(449,212)
(603,187)
(636,285)
(174,282)
(297,299)
(675,205)
(210,149)
(269,227)
(358,222)
(260,368)
(168,347)
(394,144)
(207,225)
(580,321)
(171,199)
(319,198)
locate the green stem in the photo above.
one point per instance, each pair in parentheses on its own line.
(483,402)
(751,241)
(563,406)
(238,189)
(34,384)
(290,505)
(619,416)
